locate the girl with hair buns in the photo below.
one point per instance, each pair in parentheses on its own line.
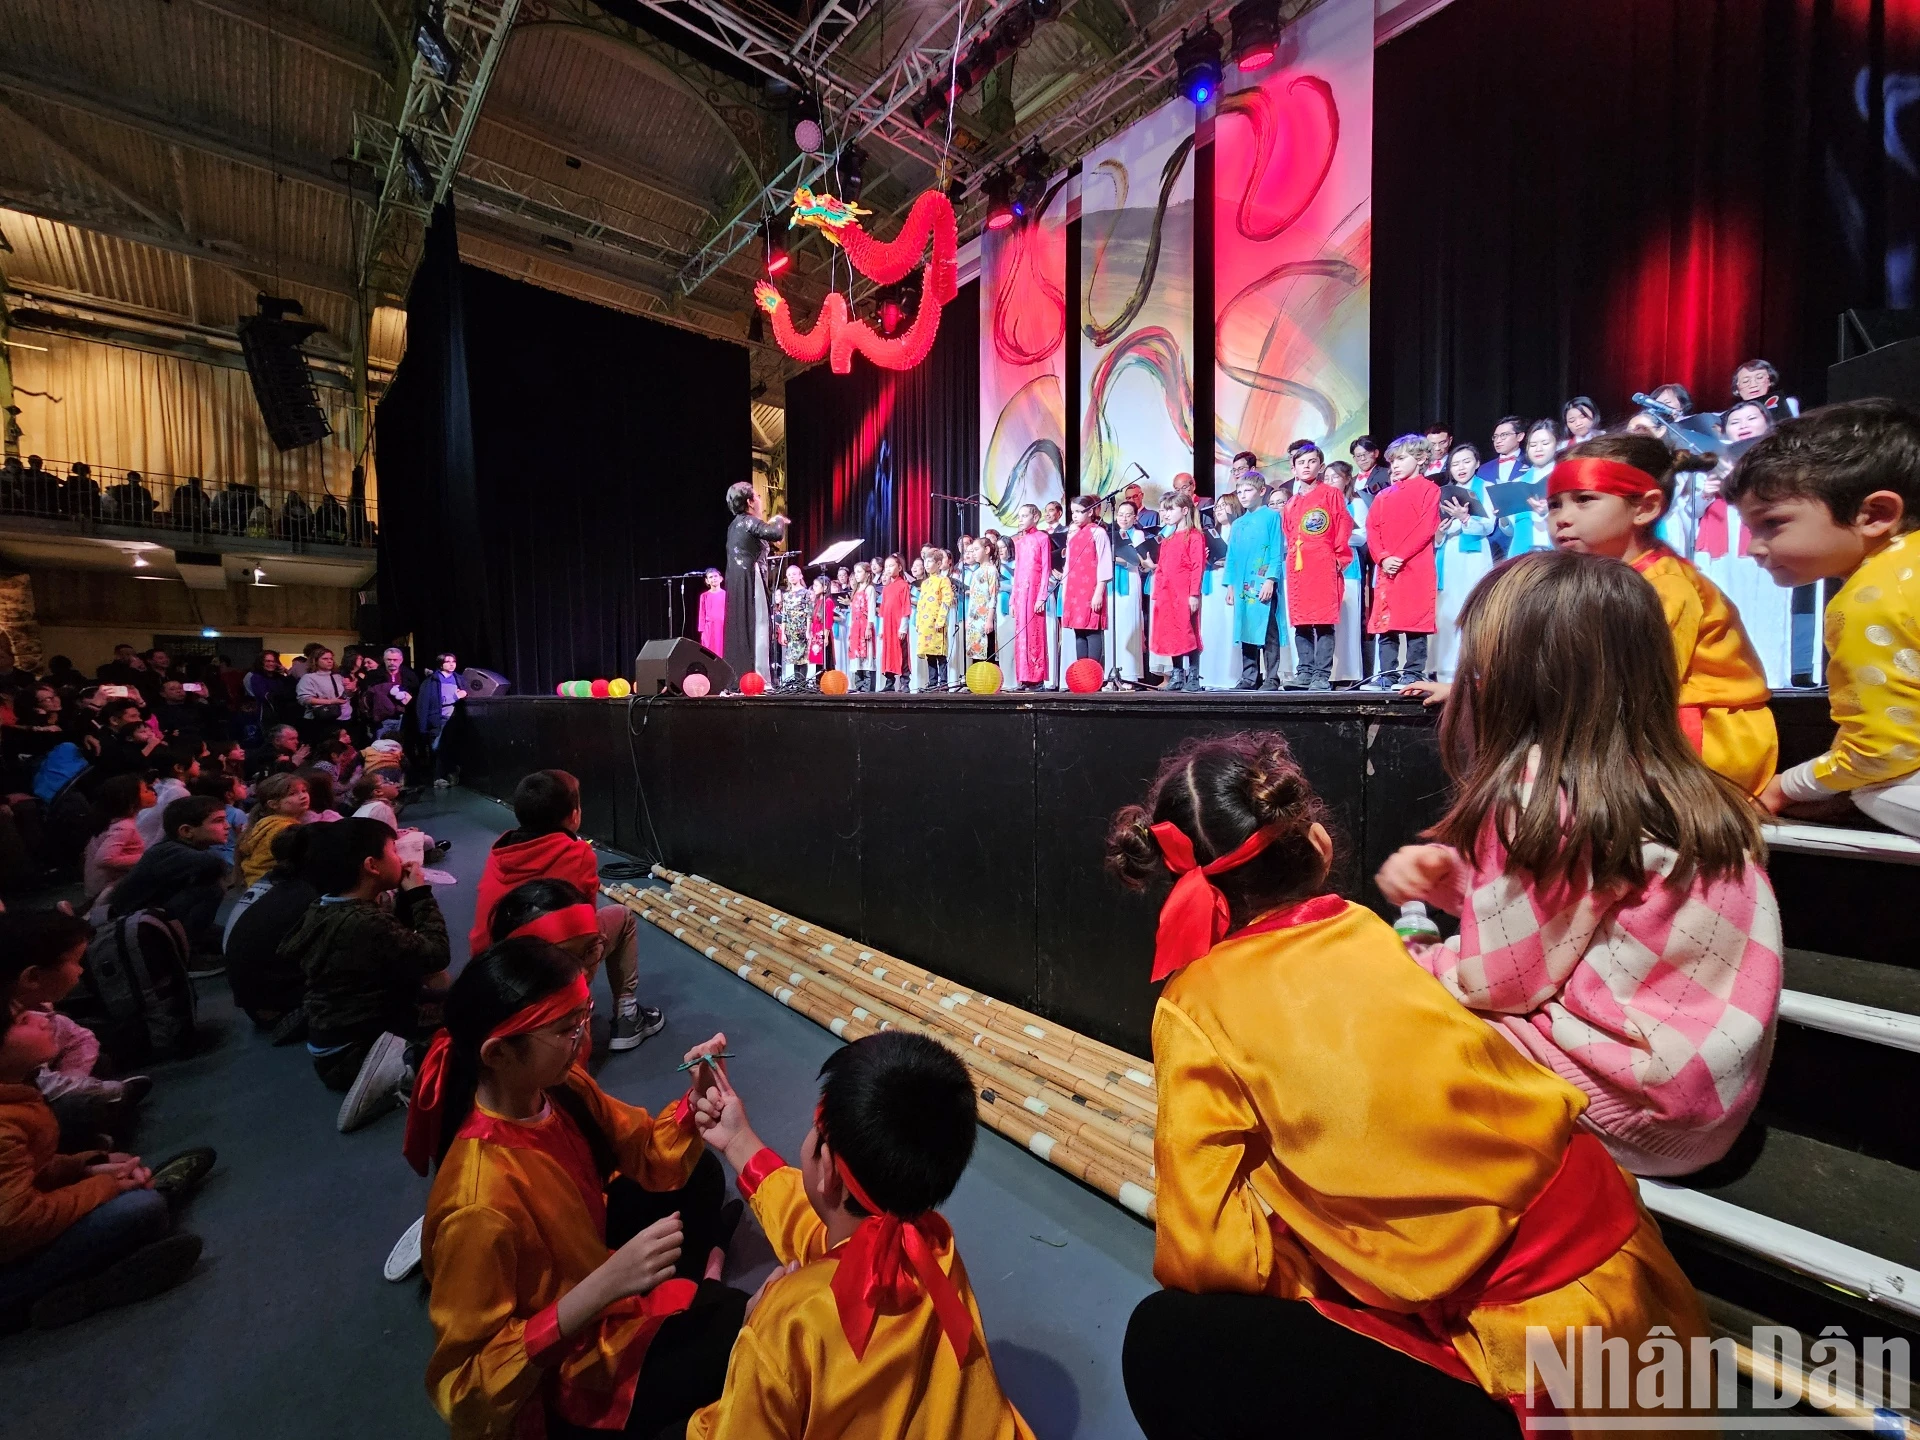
(1605,498)
(572,1242)
(1362,1207)
(1615,919)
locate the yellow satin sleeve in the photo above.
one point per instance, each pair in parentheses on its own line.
(657,1151)
(479,1375)
(1720,673)
(781,1206)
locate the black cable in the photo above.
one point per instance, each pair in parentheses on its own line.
(659,855)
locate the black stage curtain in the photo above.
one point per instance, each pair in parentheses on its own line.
(867,451)
(1610,194)
(598,451)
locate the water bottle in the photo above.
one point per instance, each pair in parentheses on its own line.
(1415,925)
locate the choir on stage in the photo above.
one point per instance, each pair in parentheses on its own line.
(1344,574)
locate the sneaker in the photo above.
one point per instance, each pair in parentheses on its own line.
(134,1089)
(290,1027)
(404,1258)
(146,1272)
(206,967)
(180,1176)
(631,1027)
(376,1089)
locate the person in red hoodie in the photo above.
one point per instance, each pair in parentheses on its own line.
(1400,530)
(1319,535)
(547,846)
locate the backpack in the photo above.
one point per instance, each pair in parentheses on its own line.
(60,765)
(134,992)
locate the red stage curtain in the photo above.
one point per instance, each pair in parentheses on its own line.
(1604,195)
(867,451)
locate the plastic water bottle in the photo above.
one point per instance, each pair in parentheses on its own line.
(1415,924)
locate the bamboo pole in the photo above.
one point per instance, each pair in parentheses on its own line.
(1009,1102)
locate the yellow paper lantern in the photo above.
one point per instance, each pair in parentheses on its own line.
(619,689)
(983,677)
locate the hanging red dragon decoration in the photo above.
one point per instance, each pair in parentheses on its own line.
(836,335)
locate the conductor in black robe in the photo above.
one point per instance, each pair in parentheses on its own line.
(747,606)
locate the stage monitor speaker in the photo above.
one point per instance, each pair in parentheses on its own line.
(662,665)
(1892,370)
(282,384)
(483,684)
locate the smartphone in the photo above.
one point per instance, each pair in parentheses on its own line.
(194,687)
(114,692)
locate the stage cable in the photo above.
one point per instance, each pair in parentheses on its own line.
(643,703)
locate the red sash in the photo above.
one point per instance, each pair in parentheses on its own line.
(1578,1222)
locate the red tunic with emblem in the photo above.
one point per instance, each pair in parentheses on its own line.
(1183,561)
(860,624)
(896,603)
(1089,572)
(1402,522)
(1319,548)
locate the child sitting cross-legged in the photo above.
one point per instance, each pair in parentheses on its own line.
(1835,495)
(872,1329)
(78,1232)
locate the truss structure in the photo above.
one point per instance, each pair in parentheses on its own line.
(427,138)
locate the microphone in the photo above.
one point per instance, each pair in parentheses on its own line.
(1654,407)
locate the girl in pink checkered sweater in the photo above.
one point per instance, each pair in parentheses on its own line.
(1617,924)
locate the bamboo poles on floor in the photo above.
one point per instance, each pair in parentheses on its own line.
(1037,1096)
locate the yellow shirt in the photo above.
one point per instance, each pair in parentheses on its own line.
(253,853)
(793,1373)
(1720,675)
(1873,672)
(1317,1075)
(507,1234)
(930,620)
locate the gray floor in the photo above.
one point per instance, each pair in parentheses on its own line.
(288,1330)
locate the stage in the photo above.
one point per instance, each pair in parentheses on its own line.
(965,832)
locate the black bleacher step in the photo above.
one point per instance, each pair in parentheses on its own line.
(1858,1200)
(1863,982)
(1847,1093)
(1837,905)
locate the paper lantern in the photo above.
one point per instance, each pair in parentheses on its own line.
(620,688)
(695,685)
(581,689)
(752,683)
(983,677)
(598,689)
(833,682)
(1084,676)
(561,688)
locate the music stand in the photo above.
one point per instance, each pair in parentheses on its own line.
(835,553)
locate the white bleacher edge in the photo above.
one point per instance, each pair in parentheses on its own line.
(1884,1282)
(1879,845)
(1843,1017)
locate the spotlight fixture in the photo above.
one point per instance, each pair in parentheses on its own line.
(419,177)
(1030,181)
(803,113)
(930,110)
(1013,31)
(999,191)
(430,41)
(893,314)
(1256,33)
(1197,60)
(1043,10)
(973,70)
(778,257)
(852,167)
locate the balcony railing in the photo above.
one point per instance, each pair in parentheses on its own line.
(100,499)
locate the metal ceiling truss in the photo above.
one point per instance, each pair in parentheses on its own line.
(436,119)
(873,111)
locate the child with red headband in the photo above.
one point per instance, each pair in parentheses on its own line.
(872,1331)
(1361,1207)
(1604,498)
(572,1242)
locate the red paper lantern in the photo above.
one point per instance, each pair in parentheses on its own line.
(1084,676)
(598,689)
(752,683)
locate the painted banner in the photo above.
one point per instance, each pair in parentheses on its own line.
(1136,306)
(1023,363)
(1293,206)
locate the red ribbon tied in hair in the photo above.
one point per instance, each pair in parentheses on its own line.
(1195,917)
(556,927)
(428,1101)
(887,1264)
(1601,477)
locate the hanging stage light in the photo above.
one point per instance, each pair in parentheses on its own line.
(999,192)
(1197,59)
(1030,181)
(1256,33)
(852,167)
(414,165)
(778,258)
(930,110)
(803,112)
(893,311)
(430,43)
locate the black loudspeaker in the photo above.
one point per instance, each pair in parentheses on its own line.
(1892,370)
(481,684)
(282,384)
(663,665)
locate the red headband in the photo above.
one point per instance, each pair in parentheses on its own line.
(1603,477)
(887,1263)
(423,1110)
(556,927)
(1194,918)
